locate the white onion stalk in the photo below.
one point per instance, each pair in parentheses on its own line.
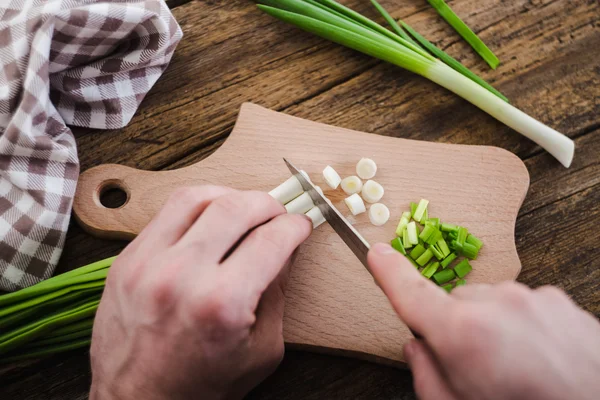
(300,204)
(366,168)
(372,191)
(379,214)
(355,204)
(287,191)
(331,177)
(343,25)
(316,216)
(555,143)
(351,184)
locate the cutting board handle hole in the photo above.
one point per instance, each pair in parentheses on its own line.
(113,194)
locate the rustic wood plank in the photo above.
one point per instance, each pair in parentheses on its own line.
(231,53)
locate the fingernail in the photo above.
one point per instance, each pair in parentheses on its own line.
(383,248)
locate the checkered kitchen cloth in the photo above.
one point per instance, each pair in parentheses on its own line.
(64,62)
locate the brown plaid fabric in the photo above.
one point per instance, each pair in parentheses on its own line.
(64,62)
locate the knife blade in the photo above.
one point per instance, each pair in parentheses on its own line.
(349,234)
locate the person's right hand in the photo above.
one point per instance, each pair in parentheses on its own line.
(491,342)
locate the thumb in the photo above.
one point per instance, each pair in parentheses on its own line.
(417,300)
(428,381)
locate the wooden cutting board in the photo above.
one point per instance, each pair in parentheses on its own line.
(333,304)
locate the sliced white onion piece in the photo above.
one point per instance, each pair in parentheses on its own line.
(331,177)
(316,216)
(318,188)
(287,191)
(372,191)
(351,184)
(300,204)
(379,214)
(355,204)
(366,168)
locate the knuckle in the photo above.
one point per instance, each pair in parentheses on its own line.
(270,238)
(161,290)
(472,323)
(216,309)
(192,196)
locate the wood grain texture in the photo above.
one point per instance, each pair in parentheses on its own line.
(231,53)
(332,303)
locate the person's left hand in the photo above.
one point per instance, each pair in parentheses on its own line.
(193,306)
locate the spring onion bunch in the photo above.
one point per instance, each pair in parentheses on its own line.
(335,22)
(436,246)
(52,316)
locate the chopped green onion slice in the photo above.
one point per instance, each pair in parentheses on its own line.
(449,227)
(462,268)
(448,14)
(469,251)
(448,260)
(443,246)
(411,228)
(461,282)
(397,244)
(462,235)
(436,252)
(429,270)
(401,225)
(425,217)
(433,221)
(425,257)
(427,231)
(420,211)
(417,252)
(407,244)
(434,237)
(448,288)
(471,239)
(413,208)
(444,276)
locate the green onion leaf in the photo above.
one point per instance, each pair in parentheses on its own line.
(461,282)
(397,244)
(462,268)
(393,23)
(405,242)
(444,276)
(471,239)
(420,211)
(449,227)
(448,260)
(436,252)
(417,252)
(425,257)
(441,244)
(413,208)
(448,288)
(448,14)
(429,270)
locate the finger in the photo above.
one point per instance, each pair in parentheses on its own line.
(477,292)
(227,219)
(428,380)
(261,256)
(418,301)
(178,214)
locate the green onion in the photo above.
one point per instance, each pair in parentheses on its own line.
(434,237)
(448,260)
(462,235)
(397,244)
(420,211)
(452,62)
(469,251)
(462,268)
(413,208)
(449,227)
(404,220)
(443,246)
(436,252)
(471,239)
(393,23)
(425,257)
(444,276)
(429,270)
(435,222)
(417,251)
(413,237)
(448,14)
(448,288)
(427,231)
(361,34)
(405,241)
(461,282)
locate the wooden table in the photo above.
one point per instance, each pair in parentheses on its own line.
(232,53)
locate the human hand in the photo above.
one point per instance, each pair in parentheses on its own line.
(182,315)
(491,342)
